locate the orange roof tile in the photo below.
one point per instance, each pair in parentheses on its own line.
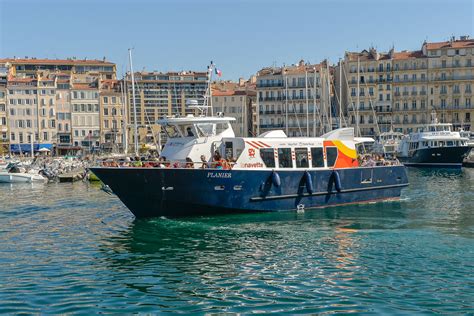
(408,55)
(82,86)
(451,44)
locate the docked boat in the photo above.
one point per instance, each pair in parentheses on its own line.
(271,172)
(15,174)
(387,143)
(433,145)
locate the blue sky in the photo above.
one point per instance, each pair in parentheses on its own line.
(239,36)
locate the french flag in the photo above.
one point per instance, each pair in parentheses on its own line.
(218,72)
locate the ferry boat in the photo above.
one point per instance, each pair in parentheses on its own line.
(433,145)
(271,172)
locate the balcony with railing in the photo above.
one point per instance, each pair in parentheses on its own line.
(280,125)
(453,77)
(270,85)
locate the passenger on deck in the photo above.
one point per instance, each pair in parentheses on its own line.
(137,162)
(204,163)
(189,132)
(217,160)
(226,164)
(163,162)
(189,163)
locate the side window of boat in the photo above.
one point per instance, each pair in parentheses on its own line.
(301,157)
(317,157)
(284,158)
(268,157)
(331,153)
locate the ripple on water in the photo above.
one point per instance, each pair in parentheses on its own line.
(68,248)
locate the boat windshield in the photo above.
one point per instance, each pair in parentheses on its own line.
(172,131)
(206,129)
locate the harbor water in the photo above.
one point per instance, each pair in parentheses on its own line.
(71,247)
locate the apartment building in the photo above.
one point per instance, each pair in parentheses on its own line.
(112,116)
(39,99)
(64,144)
(451,79)
(296,99)
(26,119)
(237,100)
(4,138)
(85,116)
(364,86)
(399,90)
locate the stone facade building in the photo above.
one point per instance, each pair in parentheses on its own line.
(237,100)
(399,90)
(296,99)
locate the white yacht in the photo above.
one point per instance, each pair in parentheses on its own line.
(433,145)
(387,143)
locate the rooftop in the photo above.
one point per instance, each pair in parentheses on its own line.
(70,61)
(465,42)
(299,68)
(408,55)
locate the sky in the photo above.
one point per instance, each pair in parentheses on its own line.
(240,36)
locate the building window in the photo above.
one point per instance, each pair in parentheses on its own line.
(456,103)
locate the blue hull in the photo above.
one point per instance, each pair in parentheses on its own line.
(151,192)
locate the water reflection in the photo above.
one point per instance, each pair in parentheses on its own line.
(68,248)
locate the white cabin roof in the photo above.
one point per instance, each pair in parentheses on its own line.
(273,134)
(340,134)
(191,119)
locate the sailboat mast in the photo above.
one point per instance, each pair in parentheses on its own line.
(328,79)
(307,102)
(314,98)
(135,128)
(340,93)
(286,104)
(124,117)
(358,96)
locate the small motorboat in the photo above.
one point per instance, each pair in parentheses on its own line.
(17,175)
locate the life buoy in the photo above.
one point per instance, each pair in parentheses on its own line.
(276,179)
(308,182)
(337,180)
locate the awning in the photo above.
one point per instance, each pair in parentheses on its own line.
(16,148)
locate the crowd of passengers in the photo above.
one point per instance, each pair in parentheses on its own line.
(217,162)
(372,160)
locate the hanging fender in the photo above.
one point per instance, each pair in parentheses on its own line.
(337,180)
(276,179)
(308,182)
